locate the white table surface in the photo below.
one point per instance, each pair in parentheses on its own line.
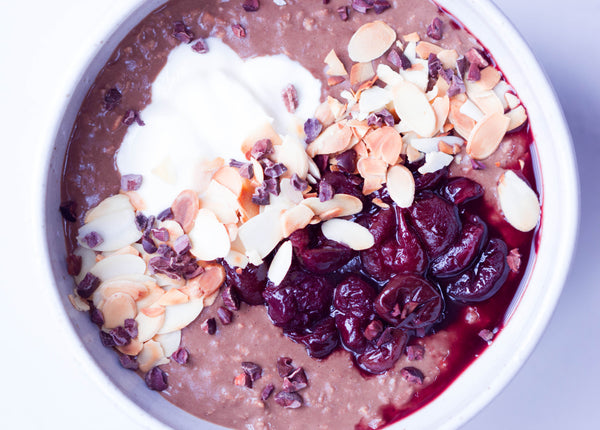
(43,386)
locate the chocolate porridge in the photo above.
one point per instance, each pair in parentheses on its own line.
(299,214)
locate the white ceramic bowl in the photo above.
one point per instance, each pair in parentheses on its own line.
(556,173)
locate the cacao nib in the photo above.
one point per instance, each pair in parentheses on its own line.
(298,183)
(131,182)
(243,380)
(474,73)
(288,400)
(181,32)
(261,196)
(148,245)
(253,370)
(412,375)
(462,65)
(106,339)
(296,381)
(239,31)
(312,129)
(182,244)
(156,379)
(166,214)
(325,191)
(434,30)
(200,46)
(475,57)
(290,98)
(477,165)
(415,352)
(284,366)
(68,210)
(246,171)
(112,98)
(457,86)
(93,239)
(120,336)
(435,65)
(181,356)
(261,149)
(343,12)
(224,315)
(88,285)
(96,316)
(128,362)
(275,171)
(230,299)
(141,221)
(513,259)
(486,335)
(251,5)
(209,326)
(373,330)
(132,116)
(272,186)
(362,6)
(447,74)
(322,161)
(73,264)
(131,327)
(161,234)
(380,6)
(266,392)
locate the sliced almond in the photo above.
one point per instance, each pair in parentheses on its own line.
(412,37)
(441,107)
(117,308)
(136,290)
(151,355)
(132,348)
(517,117)
(435,161)
(374,99)
(118,265)
(204,171)
(263,131)
(209,237)
(512,101)
(347,204)
(78,303)
(281,263)
(170,342)
(334,139)
(349,233)
(262,233)
(488,102)
(148,326)
(412,106)
(129,249)
(236,259)
(153,311)
(388,75)
(401,185)
(247,208)
(116,203)
(413,154)
(487,135)
(179,316)
(324,114)
(137,202)
(448,57)
(174,228)
(490,77)
(338,109)
(372,167)
(117,229)
(332,81)
(518,202)
(221,201)
(463,124)
(384,143)
(425,48)
(152,297)
(292,154)
(361,72)
(206,283)
(371,41)
(229,177)
(172,297)
(88,260)
(295,218)
(336,67)
(185,208)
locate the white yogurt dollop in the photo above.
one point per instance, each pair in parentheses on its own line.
(204,106)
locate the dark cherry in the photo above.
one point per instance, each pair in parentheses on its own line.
(249,283)
(436,222)
(429,181)
(485,279)
(403,254)
(410,302)
(351,329)
(318,254)
(344,184)
(381,224)
(382,356)
(299,301)
(461,190)
(321,340)
(460,255)
(354,296)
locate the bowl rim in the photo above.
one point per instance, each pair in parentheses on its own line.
(121,11)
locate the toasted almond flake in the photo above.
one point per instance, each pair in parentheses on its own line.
(78,303)
(152,297)
(324,113)
(332,81)
(281,263)
(348,205)
(489,78)
(401,185)
(512,101)
(174,228)
(295,218)
(517,117)
(448,58)
(431,144)
(371,167)
(488,102)
(151,355)
(116,203)
(371,41)
(388,75)
(372,183)
(291,154)
(471,110)
(413,154)
(447,149)
(88,260)
(442,86)
(185,208)
(334,139)
(435,161)
(207,283)
(412,106)
(209,237)
(236,259)
(135,199)
(361,72)
(203,173)
(170,342)
(487,135)
(359,128)
(117,229)
(501,89)
(384,143)
(153,311)
(172,297)
(118,265)
(230,178)
(349,233)
(221,201)
(412,37)
(365,86)
(262,233)
(377,201)
(337,108)
(132,348)
(374,99)
(463,124)
(149,325)
(179,316)
(330,214)
(518,202)
(425,48)
(263,131)
(129,249)
(441,108)
(336,67)
(117,308)
(137,290)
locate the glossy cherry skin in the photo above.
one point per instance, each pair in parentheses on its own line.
(461,190)
(410,302)
(320,340)
(485,279)
(318,254)
(429,181)
(436,221)
(249,283)
(462,253)
(382,355)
